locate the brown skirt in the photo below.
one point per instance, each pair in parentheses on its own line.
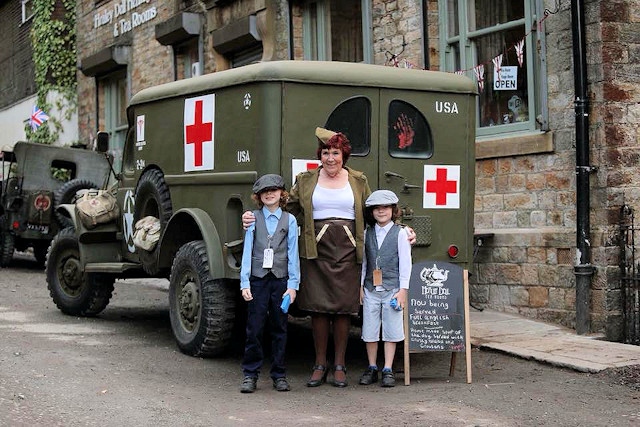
(331,283)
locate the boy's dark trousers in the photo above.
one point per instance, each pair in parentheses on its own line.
(267,296)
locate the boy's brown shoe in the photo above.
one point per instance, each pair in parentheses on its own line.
(281,384)
(248,385)
(369,376)
(388,379)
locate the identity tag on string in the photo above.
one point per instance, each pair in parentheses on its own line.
(268,258)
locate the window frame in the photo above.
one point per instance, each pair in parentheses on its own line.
(112,105)
(536,64)
(316,33)
(25,9)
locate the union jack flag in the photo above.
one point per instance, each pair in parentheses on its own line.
(38,117)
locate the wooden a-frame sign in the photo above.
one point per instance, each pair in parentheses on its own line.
(436,317)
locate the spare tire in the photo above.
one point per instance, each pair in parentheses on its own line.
(152,199)
(7,244)
(65,195)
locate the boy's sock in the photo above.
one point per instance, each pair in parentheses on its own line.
(386,369)
(374,367)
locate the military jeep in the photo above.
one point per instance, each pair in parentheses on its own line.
(195,147)
(36,179)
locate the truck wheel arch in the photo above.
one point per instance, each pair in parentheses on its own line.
(190,224)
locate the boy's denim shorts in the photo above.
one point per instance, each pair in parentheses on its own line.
(376,313)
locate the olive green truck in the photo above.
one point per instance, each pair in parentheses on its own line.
(195,147)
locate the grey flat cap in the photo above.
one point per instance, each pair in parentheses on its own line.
(270,180)
(381,197)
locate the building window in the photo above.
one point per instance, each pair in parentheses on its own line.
(474,32)
(27,10)
(187,64)
(337,30)
(114,105)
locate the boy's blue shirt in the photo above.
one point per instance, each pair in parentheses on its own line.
(293,260)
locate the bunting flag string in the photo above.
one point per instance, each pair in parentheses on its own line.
(479,70)
(497,64)
(520,52)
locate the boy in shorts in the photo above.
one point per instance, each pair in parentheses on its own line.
(386,270)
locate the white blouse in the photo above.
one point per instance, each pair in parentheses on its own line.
(333,203)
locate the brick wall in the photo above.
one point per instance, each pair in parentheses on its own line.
(529,201)
(17,79)
(150,63)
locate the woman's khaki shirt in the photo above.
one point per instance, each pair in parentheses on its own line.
(300,206)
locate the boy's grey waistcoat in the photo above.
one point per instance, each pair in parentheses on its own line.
(278,244)
(387,257)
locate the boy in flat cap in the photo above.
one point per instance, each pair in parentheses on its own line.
(386,270)
(270,270)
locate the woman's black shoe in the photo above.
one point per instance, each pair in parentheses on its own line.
(319,382)
(337,383)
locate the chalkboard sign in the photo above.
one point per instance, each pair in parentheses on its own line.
(436,307)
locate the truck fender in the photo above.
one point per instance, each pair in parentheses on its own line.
(68,211)
(190,224)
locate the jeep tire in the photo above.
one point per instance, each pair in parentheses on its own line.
(201,309)
(73,292)
(65,195)
(7,244)
(152,199)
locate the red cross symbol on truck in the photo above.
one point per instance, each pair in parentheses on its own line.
(441,186)
(198,133)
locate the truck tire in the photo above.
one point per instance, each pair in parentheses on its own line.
(201,309)
(75,293)
(65,194)
(152,199)
(7,244)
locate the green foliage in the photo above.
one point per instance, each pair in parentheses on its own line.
(54,56)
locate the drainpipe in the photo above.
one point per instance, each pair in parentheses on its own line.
(583,269)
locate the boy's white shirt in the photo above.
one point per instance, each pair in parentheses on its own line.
(404,253)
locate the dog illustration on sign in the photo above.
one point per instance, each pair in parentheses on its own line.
(434,276)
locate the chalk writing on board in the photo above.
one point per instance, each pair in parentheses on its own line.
(436,307)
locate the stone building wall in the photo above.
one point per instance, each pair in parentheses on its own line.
(529,202)
(147,62)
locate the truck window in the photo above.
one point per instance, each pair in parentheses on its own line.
(409,132)
(62,170)
(353,118)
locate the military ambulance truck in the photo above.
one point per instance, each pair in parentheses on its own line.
(195,147)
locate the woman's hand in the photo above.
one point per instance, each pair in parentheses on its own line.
(246,294)
(411,235)
(248,218)
(361,295)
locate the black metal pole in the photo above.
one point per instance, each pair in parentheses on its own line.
(583,269)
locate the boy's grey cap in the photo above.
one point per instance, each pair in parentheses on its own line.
(270,180)
(381,197)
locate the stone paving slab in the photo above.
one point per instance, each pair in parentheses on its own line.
(557,345)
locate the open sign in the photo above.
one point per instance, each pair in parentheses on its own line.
(507,80)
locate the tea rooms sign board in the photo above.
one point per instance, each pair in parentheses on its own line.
(125,15)
(437,313)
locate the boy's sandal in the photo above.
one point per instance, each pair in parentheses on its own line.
(321,380)
(337,383)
